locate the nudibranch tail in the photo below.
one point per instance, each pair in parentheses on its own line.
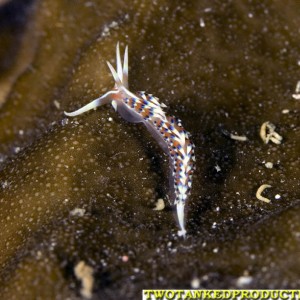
(180,216)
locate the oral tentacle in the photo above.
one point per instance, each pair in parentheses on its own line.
(119,63)
(106,98)
(115,75)
(125,68)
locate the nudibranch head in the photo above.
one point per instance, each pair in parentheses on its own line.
(118,93)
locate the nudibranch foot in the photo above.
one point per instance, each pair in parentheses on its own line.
(167,130)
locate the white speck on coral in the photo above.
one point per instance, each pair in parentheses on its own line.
(84,273)
(125,258)
(4,184)
(17,149)
(77,212)
(269,165)
(160,205)
(217,167)
(243,281)
(56,104)
(195,283)
(201,22)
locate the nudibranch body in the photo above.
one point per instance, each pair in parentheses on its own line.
(144,108)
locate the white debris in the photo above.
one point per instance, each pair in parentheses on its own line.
(260,190)
(17,149)
(207,9)
(217,167)
(201,22)
(195,283)
(277,197)
(56,104)
(160,205)
(79,212)
(125,258)
(4,184)
(297,91)
(2,158)
(285,111)
(107,28)
(241,138)
(39,254)
(84,273)
(88,4)
(64,121)
(269,165)
(181,233)
(268,133)
(243,281)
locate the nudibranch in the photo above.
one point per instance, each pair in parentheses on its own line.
(141,107)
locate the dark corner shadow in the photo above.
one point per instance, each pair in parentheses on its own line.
(14,16)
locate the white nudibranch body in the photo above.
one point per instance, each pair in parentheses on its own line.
(144,108)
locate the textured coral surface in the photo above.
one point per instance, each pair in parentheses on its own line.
(83,189)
